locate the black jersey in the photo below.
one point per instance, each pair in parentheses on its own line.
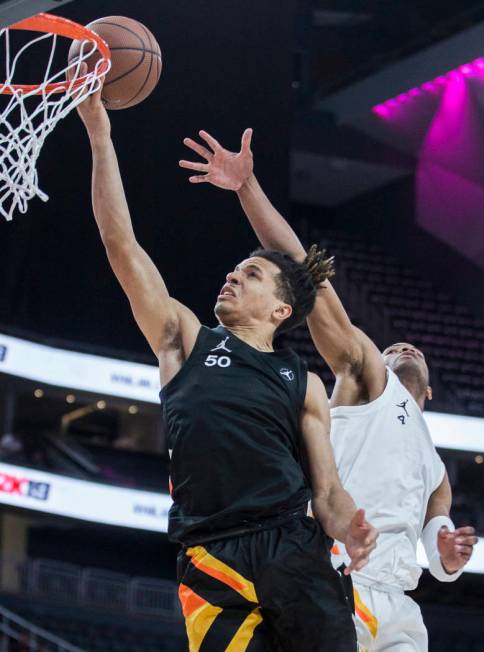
(232,418)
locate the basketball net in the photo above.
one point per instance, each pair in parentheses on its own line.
(32,112)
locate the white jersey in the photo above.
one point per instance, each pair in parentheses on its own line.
(388,464)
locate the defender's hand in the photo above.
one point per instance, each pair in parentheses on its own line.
(360,541)
(224,169)
(91,110)
(455,548)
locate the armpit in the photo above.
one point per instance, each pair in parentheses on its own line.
(171,339)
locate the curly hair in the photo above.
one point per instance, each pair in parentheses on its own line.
(297,283)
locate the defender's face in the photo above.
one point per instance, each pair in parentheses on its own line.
(249,293)
(403,356)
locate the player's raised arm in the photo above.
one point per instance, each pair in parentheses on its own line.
(167,325)
(234,171)
(351,355)
(331,504)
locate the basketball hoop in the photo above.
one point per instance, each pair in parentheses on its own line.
(24,127)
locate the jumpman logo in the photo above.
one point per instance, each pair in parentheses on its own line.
(403,405)
(401,417)
(287,374)
(221,346)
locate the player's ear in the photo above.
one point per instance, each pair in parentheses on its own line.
(282,312)
(428,393)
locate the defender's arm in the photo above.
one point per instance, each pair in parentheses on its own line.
(351,355)
(447,549)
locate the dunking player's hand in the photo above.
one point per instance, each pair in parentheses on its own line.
(91,109)
(456,547)
(224,169)
(360,541)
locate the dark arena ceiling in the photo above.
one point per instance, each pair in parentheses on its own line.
(348,40)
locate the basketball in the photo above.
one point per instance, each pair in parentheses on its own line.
(136,60)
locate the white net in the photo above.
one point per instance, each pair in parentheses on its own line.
(27,116)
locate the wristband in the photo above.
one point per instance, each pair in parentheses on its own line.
(429,540)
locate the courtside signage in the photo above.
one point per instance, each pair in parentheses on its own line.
(89,501)
(456,432)
(474,565)
(81,371)
(135,381)
(97,503)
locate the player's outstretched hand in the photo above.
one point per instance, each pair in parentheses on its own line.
(456,547)
(224,169)
(360,541)
(91,109)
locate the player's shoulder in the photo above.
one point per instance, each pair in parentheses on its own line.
(315,390)
(314,381)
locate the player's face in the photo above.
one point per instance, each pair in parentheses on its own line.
(249,294)
(403,356)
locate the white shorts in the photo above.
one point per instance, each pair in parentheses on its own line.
(388,622)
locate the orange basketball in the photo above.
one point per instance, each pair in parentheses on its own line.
(136,60)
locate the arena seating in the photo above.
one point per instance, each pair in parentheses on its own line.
(96,637)
(64,455)
(440,621)
(113,638)
(94,631)
(391,302)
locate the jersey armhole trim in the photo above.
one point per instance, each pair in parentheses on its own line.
(304,386)
(368,408)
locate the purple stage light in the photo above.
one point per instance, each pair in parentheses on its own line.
(449,188)
(381,110)
(432,86)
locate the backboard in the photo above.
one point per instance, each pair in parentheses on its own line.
(11,11)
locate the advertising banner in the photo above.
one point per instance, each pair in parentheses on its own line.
(81,371)
(88,501)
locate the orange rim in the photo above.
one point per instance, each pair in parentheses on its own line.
(62,27)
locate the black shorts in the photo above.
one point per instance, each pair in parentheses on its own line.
(272,590)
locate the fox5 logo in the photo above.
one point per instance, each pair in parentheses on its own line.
(12,484)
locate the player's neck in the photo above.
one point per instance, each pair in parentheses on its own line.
(253,337)
(414,385)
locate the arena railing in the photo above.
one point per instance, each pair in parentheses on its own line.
(90,587)
(31,637)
